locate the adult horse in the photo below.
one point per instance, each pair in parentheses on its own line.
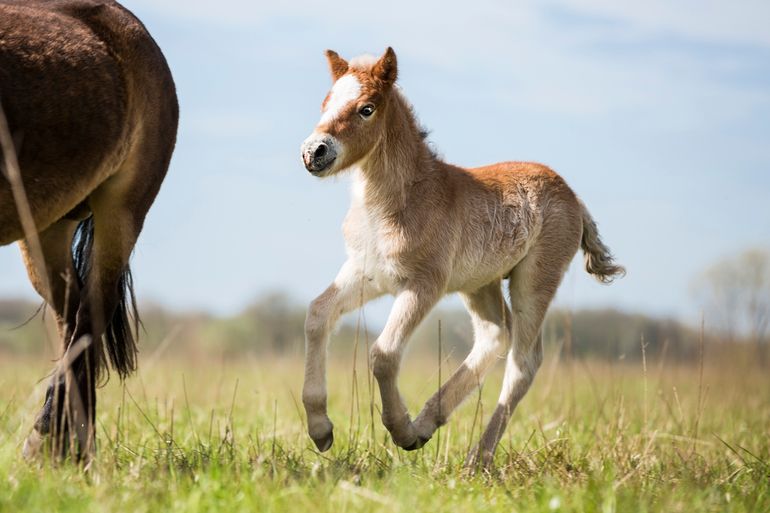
(89,126)
(419,228)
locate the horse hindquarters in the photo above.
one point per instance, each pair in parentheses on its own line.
(532,285)
(100,331)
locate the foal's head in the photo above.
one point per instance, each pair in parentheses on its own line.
(354,113)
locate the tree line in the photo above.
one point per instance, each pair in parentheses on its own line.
(734,294)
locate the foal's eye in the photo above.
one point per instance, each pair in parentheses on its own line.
(367,110)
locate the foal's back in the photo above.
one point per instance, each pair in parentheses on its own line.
(503,210)
(540,193)
(68,70)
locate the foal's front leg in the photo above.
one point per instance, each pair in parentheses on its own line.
(351,289)
(410,307)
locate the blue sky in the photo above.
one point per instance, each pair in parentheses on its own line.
(658,115)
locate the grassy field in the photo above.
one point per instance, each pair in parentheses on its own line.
(229,436)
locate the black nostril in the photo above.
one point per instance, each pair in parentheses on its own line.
(320,151)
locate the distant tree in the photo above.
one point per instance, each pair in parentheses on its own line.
(613,334)
(16,311)
(736,292)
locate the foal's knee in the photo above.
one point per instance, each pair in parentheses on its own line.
(530,362)
(316,320)
(384,364)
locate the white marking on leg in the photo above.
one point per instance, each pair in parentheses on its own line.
(490,345)
(491,341)
(347,89)
(516,376)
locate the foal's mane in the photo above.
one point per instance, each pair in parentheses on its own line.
(422,130)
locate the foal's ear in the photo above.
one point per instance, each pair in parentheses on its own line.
(337,65)
(386,69)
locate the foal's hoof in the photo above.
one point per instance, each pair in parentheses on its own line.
(324,443)
(321,431)
(410,440)
(417,444)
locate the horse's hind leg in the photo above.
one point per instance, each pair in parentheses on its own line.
(57,284)
(119,207)
(100,332)
(87,314)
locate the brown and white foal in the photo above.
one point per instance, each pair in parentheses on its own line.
(419,228)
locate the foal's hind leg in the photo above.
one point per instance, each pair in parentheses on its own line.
(490,316)
(533,285)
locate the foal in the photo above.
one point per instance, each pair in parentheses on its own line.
(91,125)
(419,228)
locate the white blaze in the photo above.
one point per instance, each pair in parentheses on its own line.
(344,91)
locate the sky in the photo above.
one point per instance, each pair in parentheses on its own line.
(657,114)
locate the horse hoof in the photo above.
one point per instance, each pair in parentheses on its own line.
(325,442)
(32,446)
(417,444)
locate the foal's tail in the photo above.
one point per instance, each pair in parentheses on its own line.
(118,345)
(599,260)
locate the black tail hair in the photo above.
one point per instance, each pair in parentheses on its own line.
(118,344)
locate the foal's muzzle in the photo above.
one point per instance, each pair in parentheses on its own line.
(319,152)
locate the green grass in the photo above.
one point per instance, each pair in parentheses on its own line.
(229,436)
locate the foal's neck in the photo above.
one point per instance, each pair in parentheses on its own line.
(398,161)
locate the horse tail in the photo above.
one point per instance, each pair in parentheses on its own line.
(599,261)
(118,343)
